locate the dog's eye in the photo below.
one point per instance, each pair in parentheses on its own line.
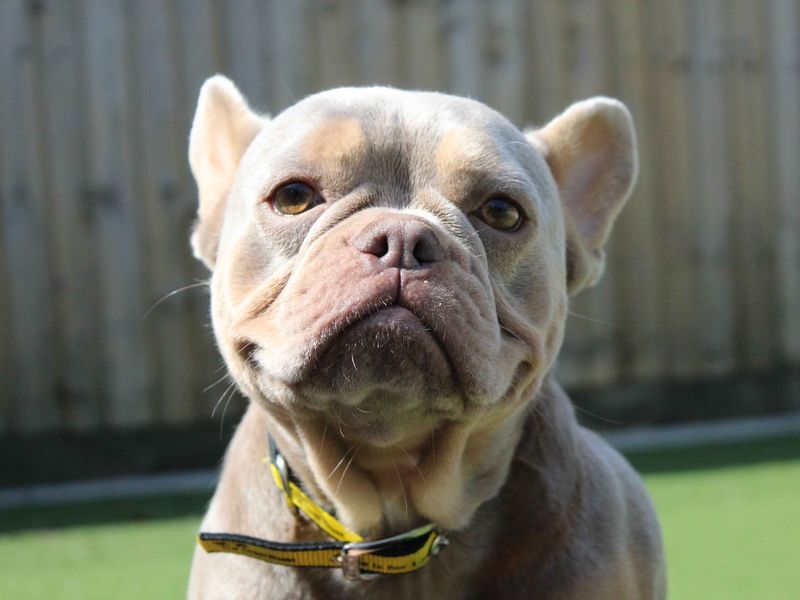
(295,198)
(500,213)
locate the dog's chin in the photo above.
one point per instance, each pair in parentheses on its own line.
(391,350)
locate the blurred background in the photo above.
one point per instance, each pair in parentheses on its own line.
(698,315)
(107,358)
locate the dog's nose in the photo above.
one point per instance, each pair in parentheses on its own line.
(400,243)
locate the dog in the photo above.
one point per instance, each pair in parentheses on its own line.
(390,281)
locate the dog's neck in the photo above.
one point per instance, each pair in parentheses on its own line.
(382,491)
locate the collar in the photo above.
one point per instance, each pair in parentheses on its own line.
(358,558)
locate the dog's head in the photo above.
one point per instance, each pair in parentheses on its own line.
(390,261)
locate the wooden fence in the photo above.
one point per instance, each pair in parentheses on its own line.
(96,199)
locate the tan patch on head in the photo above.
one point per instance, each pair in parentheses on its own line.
(459,148)
(334,140)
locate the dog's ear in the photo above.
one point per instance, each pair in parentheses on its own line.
(223,128)
(591,151)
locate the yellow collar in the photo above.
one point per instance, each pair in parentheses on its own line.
(357,558)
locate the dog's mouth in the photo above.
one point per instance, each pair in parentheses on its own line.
(384,347)
(379,355)
(383,325)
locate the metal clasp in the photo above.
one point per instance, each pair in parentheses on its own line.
(440,542)
(352,551)
(350,559)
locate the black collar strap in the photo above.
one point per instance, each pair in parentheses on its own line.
(357,558)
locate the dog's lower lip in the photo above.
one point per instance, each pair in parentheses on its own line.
(399,319)
(389,316)
(394,315)
(394,319)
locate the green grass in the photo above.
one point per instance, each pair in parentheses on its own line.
(730,515)
(732,532)
(131,561)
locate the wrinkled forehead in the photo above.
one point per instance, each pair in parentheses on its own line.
(381,131)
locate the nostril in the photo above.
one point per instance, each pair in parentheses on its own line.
(379,245)
(427,249)
(373,240)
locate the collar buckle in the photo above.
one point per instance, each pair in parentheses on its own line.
(350,559)
(352,551)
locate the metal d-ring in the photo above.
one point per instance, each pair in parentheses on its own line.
(283,472)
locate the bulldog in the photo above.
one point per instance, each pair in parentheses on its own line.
(391,272)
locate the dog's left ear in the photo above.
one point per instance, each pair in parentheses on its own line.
(223,128)
(591,151)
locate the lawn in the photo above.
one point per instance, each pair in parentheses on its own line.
(730,514)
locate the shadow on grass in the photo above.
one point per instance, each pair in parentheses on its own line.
(103,512)
(711,456)
(716,455)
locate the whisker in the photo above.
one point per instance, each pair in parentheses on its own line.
(225,393)
(322,442)
(400,481)
(596,416)
(341,460)
(224,410)
(358,420)
(217,382)
(593,320)
(338,418)
(172,293)
(347,466)
(413,462)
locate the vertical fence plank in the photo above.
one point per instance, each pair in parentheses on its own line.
(165,215)
(73,256)
(7,355)
(546,46)
(127,379)
(294,43)
(336,36)
(708,207)
(245,38)
(196,50)
(421,47)
(464,34)
(377,44)
(665,31)
(784,158)
(638,278)
(24,212)
(8,387)
(504,61)
(752,190)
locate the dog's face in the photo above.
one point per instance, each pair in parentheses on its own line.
(389,261)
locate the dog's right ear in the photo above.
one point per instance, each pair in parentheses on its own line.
(223,128)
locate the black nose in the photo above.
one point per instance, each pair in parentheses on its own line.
(403,243)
